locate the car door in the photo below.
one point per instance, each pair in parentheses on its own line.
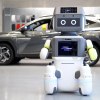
(31,43)
(34,39)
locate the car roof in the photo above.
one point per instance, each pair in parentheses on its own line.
(38,19)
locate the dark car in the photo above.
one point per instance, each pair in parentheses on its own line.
(29,39)
(25,42)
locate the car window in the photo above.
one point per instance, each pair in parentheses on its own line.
(92,22)
(37,25)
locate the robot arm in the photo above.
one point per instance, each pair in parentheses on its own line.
(91,51)
(45,50)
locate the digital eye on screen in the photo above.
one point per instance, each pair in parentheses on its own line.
(63,22)
(73,22)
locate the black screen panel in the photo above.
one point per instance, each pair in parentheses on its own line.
(68,10)
(13,27)
(67,48)
(68,22)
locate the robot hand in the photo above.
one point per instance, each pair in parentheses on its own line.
(85,81)
(91,51)
(43,53)
(45,50)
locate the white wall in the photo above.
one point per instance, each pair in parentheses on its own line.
(0,16)
(44,3)
(50,3)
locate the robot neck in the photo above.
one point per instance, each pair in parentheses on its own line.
(69,34)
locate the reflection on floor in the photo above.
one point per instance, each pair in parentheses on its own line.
(25,82)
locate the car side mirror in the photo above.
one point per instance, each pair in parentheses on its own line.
(24,29)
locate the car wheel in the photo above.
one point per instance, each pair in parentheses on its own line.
(92,63)
(6,54)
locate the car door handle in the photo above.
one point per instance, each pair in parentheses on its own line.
(44,36)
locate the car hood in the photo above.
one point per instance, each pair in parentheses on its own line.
(3,33)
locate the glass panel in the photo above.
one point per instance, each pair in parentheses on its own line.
(13,27)
(13,19)
(18,18)
(27,18)
(22,18)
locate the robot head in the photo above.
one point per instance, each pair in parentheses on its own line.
(68,19)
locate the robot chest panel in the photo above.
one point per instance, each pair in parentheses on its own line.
(68,82)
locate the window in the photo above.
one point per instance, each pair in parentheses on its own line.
(38,25)
(92,22)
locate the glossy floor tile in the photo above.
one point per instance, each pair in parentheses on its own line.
(24,81)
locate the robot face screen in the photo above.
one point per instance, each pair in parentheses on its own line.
(67,48)
(68,22)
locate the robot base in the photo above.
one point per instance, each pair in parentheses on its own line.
(61,76)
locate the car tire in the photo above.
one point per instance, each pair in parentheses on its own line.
(6,54)
(92,63)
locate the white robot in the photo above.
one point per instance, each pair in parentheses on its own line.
(69,71)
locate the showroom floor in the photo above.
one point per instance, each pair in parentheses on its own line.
(25,82)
